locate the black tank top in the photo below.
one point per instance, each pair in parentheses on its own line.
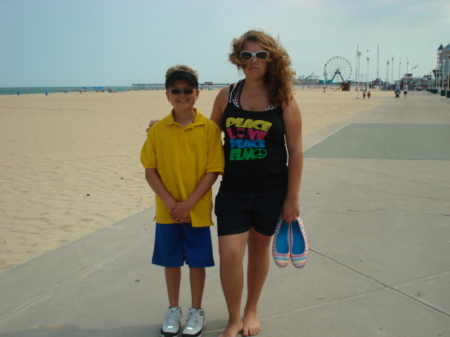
(254,146)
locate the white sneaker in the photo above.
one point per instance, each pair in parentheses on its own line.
(172,322)
(195,323)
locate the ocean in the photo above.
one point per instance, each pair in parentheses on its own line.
(43,90)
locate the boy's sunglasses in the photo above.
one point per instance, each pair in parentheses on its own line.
(260,55)
(177,91)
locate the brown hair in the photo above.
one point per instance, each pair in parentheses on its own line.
(279,76)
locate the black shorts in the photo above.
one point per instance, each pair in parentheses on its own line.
(238,212)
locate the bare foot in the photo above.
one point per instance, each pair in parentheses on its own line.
(251,325)
(232,329)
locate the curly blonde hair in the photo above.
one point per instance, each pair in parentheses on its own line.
(279,76)
(181,67)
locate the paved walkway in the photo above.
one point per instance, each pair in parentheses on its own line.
(379,228)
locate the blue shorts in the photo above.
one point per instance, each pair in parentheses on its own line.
(176,244)
(238,212)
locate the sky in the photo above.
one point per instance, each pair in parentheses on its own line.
(121,42)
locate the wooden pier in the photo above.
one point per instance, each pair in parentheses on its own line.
(161,86)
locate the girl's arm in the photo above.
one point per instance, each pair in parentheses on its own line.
(220,104)
(293,131)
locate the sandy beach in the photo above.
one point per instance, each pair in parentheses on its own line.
(70,162)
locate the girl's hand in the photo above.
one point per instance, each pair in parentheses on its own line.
(291,209)
(151,124)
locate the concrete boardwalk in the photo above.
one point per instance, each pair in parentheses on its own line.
(379,232)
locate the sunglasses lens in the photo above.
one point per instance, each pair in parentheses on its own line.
(246,56)
(177,91)
(262,55)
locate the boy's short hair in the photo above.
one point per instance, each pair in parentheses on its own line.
(181,72)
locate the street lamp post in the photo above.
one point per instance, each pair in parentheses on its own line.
(448,72)
(387,72)
(356,64)
(392,70)
(367,76)
(436,78)
(442,74)
(358,58)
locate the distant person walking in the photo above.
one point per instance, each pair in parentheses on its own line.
(405,90)
(369,94)
(364,94)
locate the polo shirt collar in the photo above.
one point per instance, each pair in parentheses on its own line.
(198,120)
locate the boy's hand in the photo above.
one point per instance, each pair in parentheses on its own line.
(151,124)
(180,212)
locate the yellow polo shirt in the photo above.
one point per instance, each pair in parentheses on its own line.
(182,157)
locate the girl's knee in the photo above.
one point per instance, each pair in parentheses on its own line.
(230,258)
(259,244)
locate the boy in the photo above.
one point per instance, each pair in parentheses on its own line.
(182,157)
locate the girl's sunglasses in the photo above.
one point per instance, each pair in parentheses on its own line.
(187,91)
(260,55)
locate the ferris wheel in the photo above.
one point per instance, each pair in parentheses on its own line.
(338,69)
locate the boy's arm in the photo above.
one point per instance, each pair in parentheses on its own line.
(156,184)
(181,210)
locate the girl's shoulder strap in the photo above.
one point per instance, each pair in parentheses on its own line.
(230,93)
(235,90)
